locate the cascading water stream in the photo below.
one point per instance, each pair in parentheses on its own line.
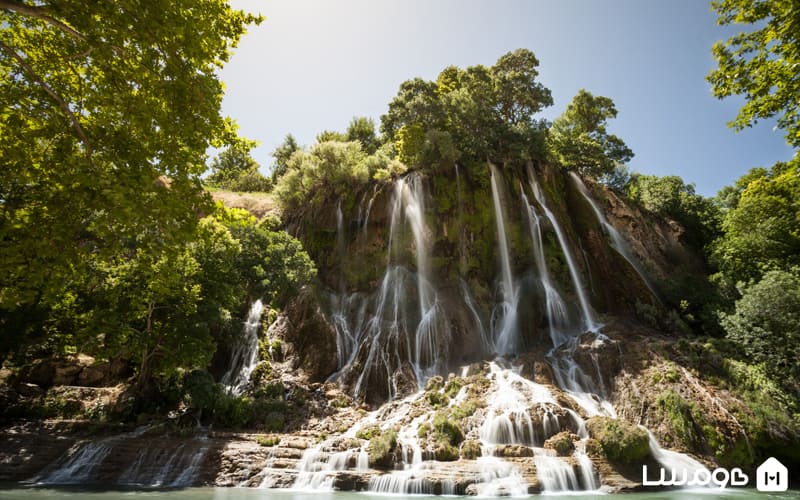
(589,324)
(618,243)
(154,465)
(245,354)
(402,325)
(557,314)
(504,320)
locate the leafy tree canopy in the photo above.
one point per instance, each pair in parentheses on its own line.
(766,324)
(470,115)
(107,111)
(672,197)
(362,129)
(762,64)
(762,229)
(579,140)
(281,154)
(235,169)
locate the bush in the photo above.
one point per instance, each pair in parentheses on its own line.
(368,432)
(454,384)
(434,383)
(437,399)
(447,429)
(269,440)
(467,408)
(327,171)
(381,449)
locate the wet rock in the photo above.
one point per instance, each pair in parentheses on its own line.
(93,375)
(310,339)
(514,451)
(351,481)
(66,373)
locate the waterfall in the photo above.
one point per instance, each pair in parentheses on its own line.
(365,222)
(402,325)
(618,243)
(245,354)
(80,464)
(340,243)
(589,323)
(672,461)
(156,464)
(557,315)
(504,321)
(555,473)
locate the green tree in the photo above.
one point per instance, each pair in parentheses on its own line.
(579,140)
(281,154)
(762,230)
(518,96)
(470,115)
(766,324)
(672,197)
(762,64)
(331,136)
(237,170)
(272,264)
(107,111)
(143,310)
(362,129)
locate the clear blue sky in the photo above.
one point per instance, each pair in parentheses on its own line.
(314,64)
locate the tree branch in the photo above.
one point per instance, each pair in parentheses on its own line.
(52,93)
(39,13)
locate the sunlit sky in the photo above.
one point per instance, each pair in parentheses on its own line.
(314,64)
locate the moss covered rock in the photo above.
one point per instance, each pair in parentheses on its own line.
(470,450)
(620,441)
(563,443)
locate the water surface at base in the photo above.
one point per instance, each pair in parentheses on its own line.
(260,494)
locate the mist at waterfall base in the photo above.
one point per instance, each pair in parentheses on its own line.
(254,494)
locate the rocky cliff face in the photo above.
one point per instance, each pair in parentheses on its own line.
(420,261)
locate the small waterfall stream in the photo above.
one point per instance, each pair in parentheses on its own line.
(589,323)
(504,317)
(617,241)
(402,326)
(557,314)
(155,464)
(245,354)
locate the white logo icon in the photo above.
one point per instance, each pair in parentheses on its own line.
(772,476)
